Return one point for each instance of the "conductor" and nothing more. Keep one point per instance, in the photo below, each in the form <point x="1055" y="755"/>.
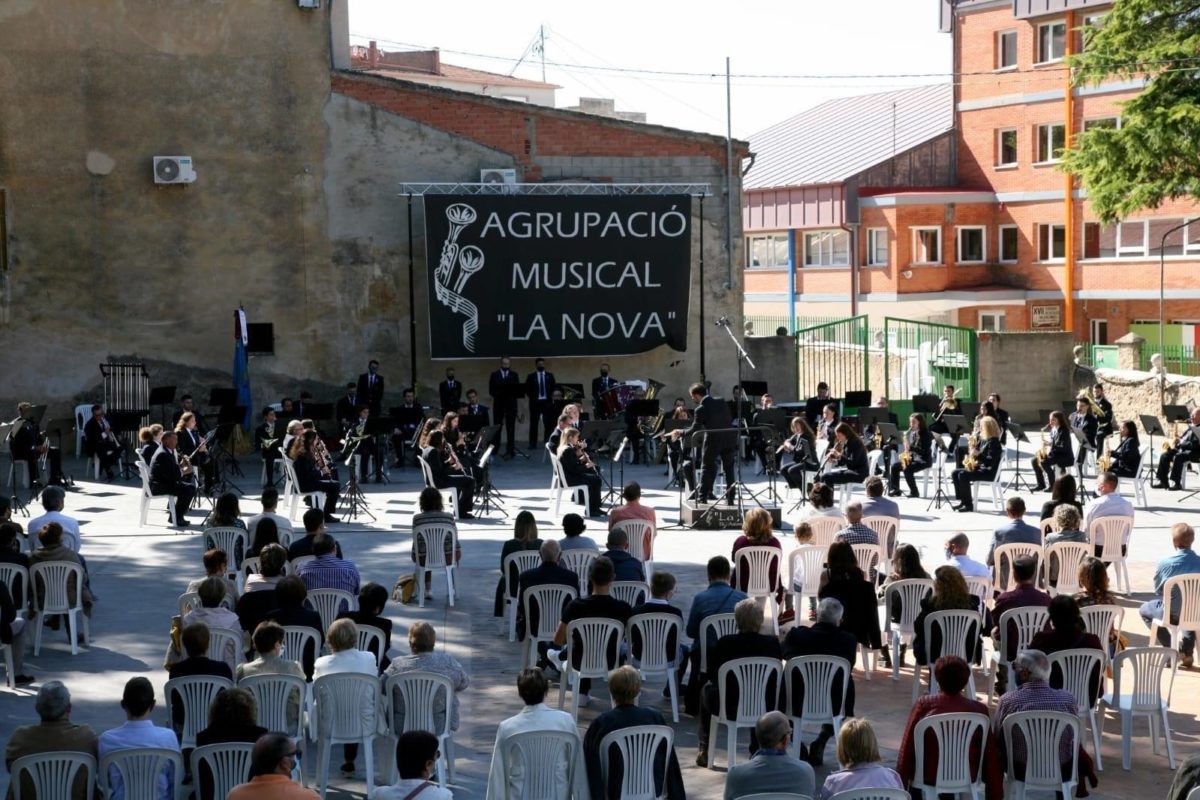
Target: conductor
<point x="711" y="415"/>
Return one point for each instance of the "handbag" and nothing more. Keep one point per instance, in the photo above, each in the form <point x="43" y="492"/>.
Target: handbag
<point x="405" y="588"/>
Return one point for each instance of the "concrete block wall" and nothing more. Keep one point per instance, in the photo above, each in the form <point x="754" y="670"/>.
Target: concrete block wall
<point x="1031" y="371"/>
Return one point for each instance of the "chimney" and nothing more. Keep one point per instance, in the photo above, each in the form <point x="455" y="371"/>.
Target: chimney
<point x="372" y="56"/>
<point x="436" y="61"/>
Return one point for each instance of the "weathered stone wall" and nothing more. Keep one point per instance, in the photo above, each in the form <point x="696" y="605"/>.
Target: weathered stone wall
<point x="775" y="360"/>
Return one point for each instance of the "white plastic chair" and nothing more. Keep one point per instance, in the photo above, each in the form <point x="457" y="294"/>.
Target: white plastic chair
<point x="632" y="592"/>
<point x="140" y="768"/>
<point x="419" y="691"/>
<point x="228" y="763"/>
<point x="583" y="490"/>
<point x="1077" y="668"/>
<point x="224" y="643"/>
<point x="234" y="541"/>
<point x="297" y="639"/>
<point x="542" y="763"/>
<point x="83" y="412"/>
<point x="754" y="567"/>
<point x="981" y="588"/>
<point x="1042" y="732"/>
<point x="641" y="535"/>
<point x="720" y="625"/>
<point x="870" y="559"/>
<point x="954" y="734"/>
<point x="273" y="695"/>
<point x="813" y="557"/>
<point x="1069" y="556"/>
<point x="847" y="490"/>
<point x="329" y="603"/>
<point x="298" y="562"/>
<point x="1029" y="621"/>
<point x="16" y="578"/>
<point x="1186" y="611"/>
<point x="345" y="709"/>
<point x="825" y="528"/>
<point x="51" y="774"/>
<point x="370" y="635"/>
<point x="638" y="747"/>
<point x="515" y="564"/>
<point x="579" y="562"/>
<point x="1138" y="481"/>
<point x="434" y="535"/>
<point x="1143" y="695"/>
<point x="820" y="676"/>
<point x="1111" y="534"/>
<point x="195" y="692"/>
<point x="909" y="592"/>
<point x="1102" y="620"/>
<point x="1003" y="558"/>
<point x="595" y="642"/>
<point x="292" y="492"/>
<point x="188" y="602"/>
<point x="55" y="578"/>
<point x="549" y="601"/>
<point x="144" y="508"/>
<point x="995" y="489"/>
<point x="252" y="565"/>
<point x="758" y="682"/>
<point x="653" y="658"/>
<point x="773" y="796"/>
<point x="1047" y="527"/>
<point x="886" y="528"/>
<point x="872" y="794"/>
<point x="955" y="626"/>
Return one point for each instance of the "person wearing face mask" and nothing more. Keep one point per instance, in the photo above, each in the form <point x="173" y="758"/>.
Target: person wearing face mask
<point x="450" y="392"/>
<point x="539" y="388"/>
<point x="504" y="385"/>
<point x="600" y="386"/>
<point x="370" y="388"/>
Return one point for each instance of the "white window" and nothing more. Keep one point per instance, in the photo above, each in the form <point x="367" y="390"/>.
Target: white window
<point x="1008" y="244"/>
<point x="1051" y="42"/>
<point x="1052" y="242"/>
<point x="927" y="246"/>
<point x="769" y="251"/>
<point x="826" y="248"/>
<point x="1051" y="140"/>
<point x="877" y="247"/>
<point x="972" y="245"/>
<point x="1112" y="123"/>
<point x="1006" y="50"/>
<point x="1006" y="147"/>
<point x="991" y="320"/>
<point x="1131" y="239"/>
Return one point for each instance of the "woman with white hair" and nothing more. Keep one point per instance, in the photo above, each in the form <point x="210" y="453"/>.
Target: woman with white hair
<point x="345" y="656"/>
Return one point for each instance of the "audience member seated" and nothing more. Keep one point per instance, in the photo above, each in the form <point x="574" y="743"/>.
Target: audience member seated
<point x="598" y="604"/>
<point x="1031" y="671"/>
<point x="534" y="717"/>
<point x="748" y="642"/>
<point x="718" y="598"/>
<point x="820" y="503"/>
<point x="824" y="638"/>
<point x="756" y="532"/>
<point x="1107" y="503"/>
<point x="270" y="501"/>
<point x="214" y="615"/>
<point x="877" y="505"/>
<point x="314" y="526"/>
<point x="1062" y="493"/>
<point x="573" y="527"/>
<point x="194" y="640"/>
<point x="772" y="768"/>
<point x="53" y="549"/>
<point x="625" y="684"/>
<point x="216" y="565"/>
<point x="1015" y="531"/>
<point x="271" y="766"/>
<point x="843" y="580"/>
<point x="54" y="734"/>
<point x="232" y="717"/>
<point x="268" y="644"/>
<point x="952" y="675"/>
<point x="433" y="512"/>
<point x="547" y="573"/>
<point x="625" y="566"/>
<point x="272" y="561"/>
<point x="290" y="595"/>
<point x="950" y="593"/>
<point x="525" y="537"/>
<point x="137" y="701"/>
<point x="226" y="513"/>
<point x="344" y="656"/>
<point x="1183" y="561"/>
<point x="857" y="533"/>
<point x="422" y="658"/>
<point x="266" y="532"/>
<point x="1024" y="594"/>
<point x="662" y="589"/>
<point x="957" y="548"/>
<point x="416" y="763"/>
<point x="12" y="633"/>
<point x="329" y="570"/>
<point x="862" y="767"/>
<point x="906" y="565"/>
<point x="10" y="545"/>
<point x="1067" y="523"/>
<point x="1067" y="632"/>
<point x="53" y="499"/>
<point x="632" y="508"/>
<point x="372" y="601"/>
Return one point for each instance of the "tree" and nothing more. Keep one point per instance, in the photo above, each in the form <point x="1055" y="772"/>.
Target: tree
<point x="1155" y="154"/>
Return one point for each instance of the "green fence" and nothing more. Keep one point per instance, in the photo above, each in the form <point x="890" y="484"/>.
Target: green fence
<point x="1178" y="359"/>
<point x="922" y="357"/>
<point x="836" y="353"/>
<point x="766" y="325"/>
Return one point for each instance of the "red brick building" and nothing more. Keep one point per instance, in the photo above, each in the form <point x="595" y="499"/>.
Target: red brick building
<point x="1008" y="242"/>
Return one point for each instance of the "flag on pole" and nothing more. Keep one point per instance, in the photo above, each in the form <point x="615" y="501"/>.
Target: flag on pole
<point x="241" y="370"/>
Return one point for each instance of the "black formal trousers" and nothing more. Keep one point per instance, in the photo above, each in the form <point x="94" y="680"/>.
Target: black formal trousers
<point x="540" y="411"/>
<point x="909" y="472"/>
<point x="708" y="469"/>
<point x="184" y="493"/>
<point x="507" y="410"/>
<point x="463" y="486"/>
<point x="1173" y="462"/>
<point x="962" y="480"/>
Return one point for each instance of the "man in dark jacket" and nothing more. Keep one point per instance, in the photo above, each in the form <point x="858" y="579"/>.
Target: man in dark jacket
<point x="626" y="566"/>
<point x="824" y="638"/>
<point x="548" y="573"/>
<point x="710" y="415"/>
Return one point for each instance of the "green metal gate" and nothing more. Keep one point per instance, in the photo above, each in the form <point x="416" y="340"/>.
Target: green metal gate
<point x="922" y="357"/>
<point x="836" y="353"/>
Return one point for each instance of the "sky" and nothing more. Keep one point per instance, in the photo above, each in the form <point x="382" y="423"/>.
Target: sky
<point x="828" y="50"/>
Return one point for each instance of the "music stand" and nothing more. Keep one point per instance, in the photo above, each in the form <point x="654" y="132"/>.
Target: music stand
<point x="126" y="422"/>
<point x="1068" y="407"/>
<point x="858" y="400"/>
<point x="161" y="396"/>
<point x="228" y="418"/>
<point x="888" y="431"/>
<point x="1152" y="426"/>
<point x="939" y="494"/>
<point x="754" y="388"/>
<point x="668" y="426"/>
<point x="380" y="428"/>
<point x="956" y="424"/>
<point x="1176" y="413"/>
<point x="1019" y="481"/>
<point x="925" y="403"/>
<point x="352" y="495"/>
<point x="969" y="409"/>
<point x="1081" y="457"/>
<point x="487" y="490"/>
<point x="489" y="436"/>
<point x="222" y="397"/>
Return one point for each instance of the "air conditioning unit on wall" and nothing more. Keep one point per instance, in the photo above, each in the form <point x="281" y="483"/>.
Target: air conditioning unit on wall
<point x="506" y="179"/>
<point x="173" y="169"/>
<point x="308" y="3"/>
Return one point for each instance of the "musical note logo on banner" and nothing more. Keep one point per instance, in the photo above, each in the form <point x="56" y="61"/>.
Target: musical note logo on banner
<point x="455" y="268"/>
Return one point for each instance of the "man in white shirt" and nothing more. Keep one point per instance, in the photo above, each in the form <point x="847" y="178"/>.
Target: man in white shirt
<point x="53" y="498"/>
<point x="956" y="556"/>
<point x="536" y="716"/>
<point x="270" y="500"/>
<point x="416" y="761"/>
<point x="1107" y="502"/>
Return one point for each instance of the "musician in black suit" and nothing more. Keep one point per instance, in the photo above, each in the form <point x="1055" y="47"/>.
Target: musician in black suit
<point x="29" y="445"/>
<point x="304" y="404"/>
<point x="919" y="442"/>
<point x="504" y="386"/>
<point x="1058" y="451"/>
<point x="851" y="465"/>
<point x="986" y="409"/>
<point x="192" y="444"/>
<point x="815" y="406"/>
<point x="347" y="406"/>
<point x="166" y="477"/>
<point x="1087" y="424"/>
<point x="889" y="447"/>
<point x="601" y="385"/>
<point x="1175" y="459"/>
<point x="267" y="437"/>
<point x="828" y="424"/>
<point x="365" y="448"/>
<point x="475" y="409"/>
<point x="309" y="475"/>
<point x="449" y="392"/>
<point x="1105" y="422"/>
<point x="370" y="387"/>
<point x="1001" y="417"/>
<point x="710" y="414"/>
<point x="539" y="388"/>
<point x="802" y="445"/>
<point x="406" y="418"/>
<point x="578" y="468"/>
<point x="987" y="464"/>
<point x="99" y="440"/>
<point x="448" y="473"/>
<point x="1126" y="456"/>
<point x="186" y="405"/>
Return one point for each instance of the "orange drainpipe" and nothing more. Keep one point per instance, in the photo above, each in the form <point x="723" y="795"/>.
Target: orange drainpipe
<point x="1068" y="199"/>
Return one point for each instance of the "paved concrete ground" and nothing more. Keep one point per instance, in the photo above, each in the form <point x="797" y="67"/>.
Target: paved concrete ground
<point x="139" y="572"/>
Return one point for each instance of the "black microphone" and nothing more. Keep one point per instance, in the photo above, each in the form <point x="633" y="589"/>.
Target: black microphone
<point x="723" y="321"/>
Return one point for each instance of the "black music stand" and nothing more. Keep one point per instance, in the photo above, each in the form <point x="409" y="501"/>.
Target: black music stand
<point x="486" y="492"/>
<point x="162" y="396"/>
<point x="380" y="429"/>
<point x="1082" y="446"/>
<point x="969" y="409"/>
<point x="939" y="495"/>
<point x="352" y="495"/>
<point x="1019" y="481"/>
<point x="639" y="409"/>
<point x="514" y="393"/>
<point x="220" y="398"/>
<point x="1068" y="407"/>
<point x="925" y="403"/>
<point x="230" y="416"/>
<point x="489" y="435"/>
<point x="1152" y="426"/>
<point x="668" y="426"/>
<point x="618" y="455"/>
<point x="1176" y="413"/>
<point x="857" y="401"/>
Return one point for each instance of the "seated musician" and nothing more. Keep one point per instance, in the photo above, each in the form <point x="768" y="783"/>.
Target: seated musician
<point x="564" y="423"/>
<point x="579" y="470"/>
<point x="758" y="440"/>
<point x="1105" y="423"/>
<point x="949" y="405"/>
<point x="918" y="444"/>
<point x="458" y="442"/>
<point x="1183" y="449"/>
<point x="681" y="411"/>
<point x="191" y="444"/>
<point x="406" y="419"/>
<point x="633" y="429"/>
<point x="1126" y="456"/>
<point x="986" y="409"/>
<point x="100" y="441"/>
<point x="674" y="447"/>
<point x="187" y="405"/>
<point x="802" y="446"/>
<point x="309" y="472"/>
<point x="1001" y="417"/>
<point x="168" y="477"/>
<point x="347" y="406"/>
<point x="29" y="445"/>
<point x="325" y="463"/>
<point x="1086" y="423"/>
<point x="266" y="442"/>
<point x="1058" y="452"/>
<point x="294" y="428"/>
<point x="150" y="437"/>
<point x="889" y="446"/>
<point x="848" y="462"/>
<point x="828" y="423"/>
<point x="365" y="447"/>
<point x="475" y="409"/>
<point x="601" y="385"/>
<point x="449" y="473"/>
<point x="985" y="461"/>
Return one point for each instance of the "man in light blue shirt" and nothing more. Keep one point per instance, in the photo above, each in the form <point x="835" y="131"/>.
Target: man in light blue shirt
<point x="139" y="731"/>
<point x="877" y="505"/>
<point x="718" y="598"/>
<point x="1182" y="562"/>
<point x="1014" y="531"/>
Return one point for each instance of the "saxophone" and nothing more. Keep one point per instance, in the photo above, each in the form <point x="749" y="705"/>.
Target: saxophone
<point x="1042" y="452"/>
<point x="1104" y="462"/>
<point x="906" y="456"/>
<point x="970" y="461"/>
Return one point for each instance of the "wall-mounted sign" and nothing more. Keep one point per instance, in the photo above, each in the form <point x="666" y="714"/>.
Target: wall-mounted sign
<point x="1045" y="317"/>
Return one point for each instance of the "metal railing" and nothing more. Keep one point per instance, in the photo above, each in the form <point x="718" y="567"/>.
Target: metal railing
<point x="923" y="357"/>
<point x="767" y="324"/>
<point x="1178" y="359"/>
<point x="836" y="353"/>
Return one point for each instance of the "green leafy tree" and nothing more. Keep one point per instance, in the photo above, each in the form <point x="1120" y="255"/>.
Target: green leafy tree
<point x="1155" y="155"/>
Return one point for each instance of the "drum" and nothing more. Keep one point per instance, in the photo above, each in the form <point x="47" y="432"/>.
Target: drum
<point x="613" y="401"/>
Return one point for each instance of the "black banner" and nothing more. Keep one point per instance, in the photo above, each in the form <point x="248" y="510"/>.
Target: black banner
<point x="563" y="275"/>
